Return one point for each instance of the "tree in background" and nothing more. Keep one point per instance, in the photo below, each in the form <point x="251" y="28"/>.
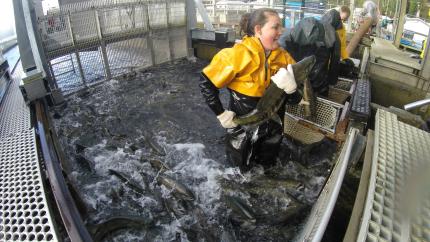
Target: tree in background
<point x="388" y="7"/>
<point x="424" y="9"/>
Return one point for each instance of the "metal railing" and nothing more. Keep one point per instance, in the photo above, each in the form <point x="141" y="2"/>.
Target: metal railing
<point x="229" y="13"/>
<point x="103" y="39"/>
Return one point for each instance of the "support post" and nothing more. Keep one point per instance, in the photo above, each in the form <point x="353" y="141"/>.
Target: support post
<point x="400" y="23"/>
<point x="103" y="46"/>
<point x="352" y="8"/>
<point x="425" y="67"/>
<point x="149" y="35"/>
<point x="190" y="10"/>
<point x="204" y="14"/>
<point x="78" y="59"/>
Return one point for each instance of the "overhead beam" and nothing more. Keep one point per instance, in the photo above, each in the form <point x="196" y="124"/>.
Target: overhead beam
<point x="204" y="14"/>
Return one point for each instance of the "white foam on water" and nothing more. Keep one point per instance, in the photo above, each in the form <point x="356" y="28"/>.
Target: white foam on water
<point x="315" y="184"/>
<point x="128" y="236"/>
<point x="173" y="228"/>
<point x="76" y="125"/>
<point x="201" y="174"/>
<point x="95" y="194"/>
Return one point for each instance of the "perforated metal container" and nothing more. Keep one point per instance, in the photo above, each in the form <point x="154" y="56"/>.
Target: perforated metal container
<point x="340" y="92"/>
<point x="327" y="115"/>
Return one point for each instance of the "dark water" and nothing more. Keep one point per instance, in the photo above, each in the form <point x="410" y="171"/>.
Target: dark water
<point x="160" y="114"/>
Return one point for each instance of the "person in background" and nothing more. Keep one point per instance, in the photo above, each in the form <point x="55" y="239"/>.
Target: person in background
<point x="246" y="70"/>
<point x="371" y="10"/>
<point x="319" y="38"/>
<point x="344" y="12"/>
<point x="346" y="65"/>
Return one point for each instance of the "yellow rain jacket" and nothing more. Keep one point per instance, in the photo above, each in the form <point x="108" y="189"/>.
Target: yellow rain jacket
<point x="244" y="68"/>
<point x="342" y="36"/>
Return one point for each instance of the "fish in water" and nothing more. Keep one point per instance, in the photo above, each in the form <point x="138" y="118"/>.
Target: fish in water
<point x="84" y="162"/>
<point x="286" y="215"/>
<point x="273" y="183"/>
<point x="274" y="97"/>
<point x="159" y="165"/>
<point x="176" y="208"/>
<point x="128" y="181"/>
<point x="101" y="230"/>
<point x="240" y="208"/>
<point x="80" y="147"/>
<point x="227" y="236"/>
<point x="154" y="145"/>
<point x="178" y="189"/>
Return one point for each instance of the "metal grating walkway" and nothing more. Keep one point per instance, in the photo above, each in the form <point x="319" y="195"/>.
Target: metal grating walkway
<point x="401" y="154"/>
<point x="24" y="212"/>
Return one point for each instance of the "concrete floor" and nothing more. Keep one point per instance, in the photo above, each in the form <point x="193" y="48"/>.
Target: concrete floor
<point x="385" y="49"/>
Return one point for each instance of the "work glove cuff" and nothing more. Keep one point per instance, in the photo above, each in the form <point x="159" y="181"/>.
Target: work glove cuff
<point x="226" y="119"/>
<point x="285" y="80"/>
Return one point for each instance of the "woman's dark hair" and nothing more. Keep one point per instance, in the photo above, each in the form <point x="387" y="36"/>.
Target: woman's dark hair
<point x="257" y="17"/>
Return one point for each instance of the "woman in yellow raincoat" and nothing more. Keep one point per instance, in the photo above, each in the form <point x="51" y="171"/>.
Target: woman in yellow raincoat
<point x="246" y="70"/>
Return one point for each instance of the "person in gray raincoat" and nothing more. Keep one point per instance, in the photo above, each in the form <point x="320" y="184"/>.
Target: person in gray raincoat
<point x="319" y="38"/>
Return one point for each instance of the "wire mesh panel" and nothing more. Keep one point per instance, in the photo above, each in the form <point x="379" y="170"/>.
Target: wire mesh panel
<point x="300" y="132"/>
<point x="92" y="65"/>
<point x="344" y="84"/>
<point x="157" y="15"/>
<point x="84" y="26"/>
<point x="177" y="16"/>
<point x="326" y="116"/>
<point x="124" y="56"/>
<point x="79" y="6"/>
<point x="161" y="46"/>
<point x="122" y="20"/>
<point x="112" y="36"/>
<point x="66" y="73"/>
<point x="178" y="42"/>
<point x="55" y="32"/>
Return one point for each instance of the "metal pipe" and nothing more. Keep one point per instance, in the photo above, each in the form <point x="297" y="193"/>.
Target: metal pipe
<point x="364" y="28"/>
<point x="417" y="104"/>
<point x="323" y="208"/>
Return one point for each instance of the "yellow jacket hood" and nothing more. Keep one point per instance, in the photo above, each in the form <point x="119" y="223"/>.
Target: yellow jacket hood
<point x="245" y="68"/>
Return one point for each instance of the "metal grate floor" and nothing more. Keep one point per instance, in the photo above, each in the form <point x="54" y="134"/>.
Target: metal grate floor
<point x="14" y="113"/>
<point x="24" y="212"/>
<point x="401" y="153"/>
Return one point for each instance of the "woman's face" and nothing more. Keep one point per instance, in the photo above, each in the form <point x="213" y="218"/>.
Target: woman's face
<point x="270" y="32"/>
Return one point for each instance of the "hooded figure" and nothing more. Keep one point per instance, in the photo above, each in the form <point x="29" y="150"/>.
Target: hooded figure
<point x="319" y="38"/>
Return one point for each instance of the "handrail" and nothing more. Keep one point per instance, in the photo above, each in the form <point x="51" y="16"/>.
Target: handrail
<point x="417" y="104"/>
<point x="72" y="220"/>
<point x="319" y="217"/>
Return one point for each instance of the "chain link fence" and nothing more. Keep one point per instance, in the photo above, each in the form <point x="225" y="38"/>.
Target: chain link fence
<point x="90" y="42"/>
